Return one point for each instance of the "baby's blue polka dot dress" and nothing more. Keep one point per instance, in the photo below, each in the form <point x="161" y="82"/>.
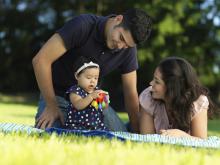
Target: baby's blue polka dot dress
<point x="86" y="119"/>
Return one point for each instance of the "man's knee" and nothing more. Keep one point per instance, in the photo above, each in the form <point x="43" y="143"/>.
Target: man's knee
<point x="112" y="121"/>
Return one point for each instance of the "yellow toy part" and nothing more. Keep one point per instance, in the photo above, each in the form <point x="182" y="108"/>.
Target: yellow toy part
<point x="95" y="104"/>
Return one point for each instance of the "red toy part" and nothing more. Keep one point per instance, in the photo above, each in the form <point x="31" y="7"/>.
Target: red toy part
<point x="101" y="97"/>
<point x="101" y="102"/>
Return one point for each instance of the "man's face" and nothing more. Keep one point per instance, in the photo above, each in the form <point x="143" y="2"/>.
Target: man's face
<point x="116" y="36"/>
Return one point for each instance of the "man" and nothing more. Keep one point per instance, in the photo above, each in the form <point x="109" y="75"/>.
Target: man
<point x="111" y="41"/>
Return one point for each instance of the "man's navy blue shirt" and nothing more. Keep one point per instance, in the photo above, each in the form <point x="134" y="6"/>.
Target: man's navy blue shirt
<point x="84" y="36"/>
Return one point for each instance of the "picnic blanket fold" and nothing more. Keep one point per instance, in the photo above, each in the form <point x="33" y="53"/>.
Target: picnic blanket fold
<point x="210" y="142"/>
<point x="88" y="133"/>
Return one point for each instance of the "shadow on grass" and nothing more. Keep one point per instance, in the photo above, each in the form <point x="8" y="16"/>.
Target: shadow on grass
<point x="20" y="98"/>
<point x="214" y="125"/>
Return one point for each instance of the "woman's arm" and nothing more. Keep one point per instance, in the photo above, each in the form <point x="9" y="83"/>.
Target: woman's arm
<point x="199" y="125"/>
<point x="146" y="123"/>
<point x="198" y="128"/>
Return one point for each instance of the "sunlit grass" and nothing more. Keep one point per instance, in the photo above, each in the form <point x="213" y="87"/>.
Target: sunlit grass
<point x="21" y="149"/>
<point x="17" y="113"/>
<point x="24" y="114"/>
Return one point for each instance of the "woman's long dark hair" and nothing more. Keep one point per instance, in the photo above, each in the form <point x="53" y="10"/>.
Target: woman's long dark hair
<point x="183" y="88"/>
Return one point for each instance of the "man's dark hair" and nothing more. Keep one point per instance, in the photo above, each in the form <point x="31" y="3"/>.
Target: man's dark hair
<point x="138" y="22"/>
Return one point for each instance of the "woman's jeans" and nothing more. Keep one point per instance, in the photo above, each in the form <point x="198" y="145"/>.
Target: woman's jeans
<point x="111" y="119"/>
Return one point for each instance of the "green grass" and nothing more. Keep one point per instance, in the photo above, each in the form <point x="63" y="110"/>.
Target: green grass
<point x="17" y="113"/>
<point x="24" y="149"/>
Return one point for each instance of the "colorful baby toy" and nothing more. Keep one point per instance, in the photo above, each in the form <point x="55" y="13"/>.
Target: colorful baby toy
<point x="101" y="102"/>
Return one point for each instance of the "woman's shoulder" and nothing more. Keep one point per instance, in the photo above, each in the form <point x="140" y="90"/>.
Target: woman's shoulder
<point x="147" y="102"/>
<point x="146" y="94"/>
<point x="202" y="103"/>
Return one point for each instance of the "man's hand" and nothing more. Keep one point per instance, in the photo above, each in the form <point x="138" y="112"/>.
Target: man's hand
<point x="49" y="115"/>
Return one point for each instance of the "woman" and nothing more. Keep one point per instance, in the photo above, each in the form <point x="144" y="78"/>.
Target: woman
<point x="175" y="104"/>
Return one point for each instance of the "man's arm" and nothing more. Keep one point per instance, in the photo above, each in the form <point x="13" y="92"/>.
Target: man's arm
<point x="129" y="81"/>
<point x="42" y="63"/>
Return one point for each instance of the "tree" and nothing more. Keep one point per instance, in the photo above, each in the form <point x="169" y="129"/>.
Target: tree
<point x="185" y="28"/>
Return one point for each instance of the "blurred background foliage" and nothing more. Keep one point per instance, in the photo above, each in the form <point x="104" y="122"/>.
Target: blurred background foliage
<point x="185" y="28"/>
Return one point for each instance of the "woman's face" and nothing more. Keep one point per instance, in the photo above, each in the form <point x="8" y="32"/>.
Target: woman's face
<point x="158" y="86"/>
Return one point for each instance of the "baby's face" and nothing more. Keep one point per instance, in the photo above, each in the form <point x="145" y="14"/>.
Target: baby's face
<point x="88" y="79"/>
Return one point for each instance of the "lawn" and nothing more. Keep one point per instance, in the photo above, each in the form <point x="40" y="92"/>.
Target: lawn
<point x="34" y="149"/>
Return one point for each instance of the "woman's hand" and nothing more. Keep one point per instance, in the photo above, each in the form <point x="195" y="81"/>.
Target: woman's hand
<point x="174" y="133"/>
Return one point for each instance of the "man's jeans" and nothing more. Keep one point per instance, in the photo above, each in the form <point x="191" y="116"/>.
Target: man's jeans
<point x="111" y="119"/>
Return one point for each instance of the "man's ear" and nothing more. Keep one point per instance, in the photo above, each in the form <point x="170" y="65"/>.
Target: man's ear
<point x="119" y="19"/>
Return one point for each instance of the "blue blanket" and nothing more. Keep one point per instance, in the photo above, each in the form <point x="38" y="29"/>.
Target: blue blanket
<point x="210" y="142"/>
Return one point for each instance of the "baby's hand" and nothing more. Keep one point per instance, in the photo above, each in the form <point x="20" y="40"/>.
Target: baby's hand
<point x="95" y="94"/>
